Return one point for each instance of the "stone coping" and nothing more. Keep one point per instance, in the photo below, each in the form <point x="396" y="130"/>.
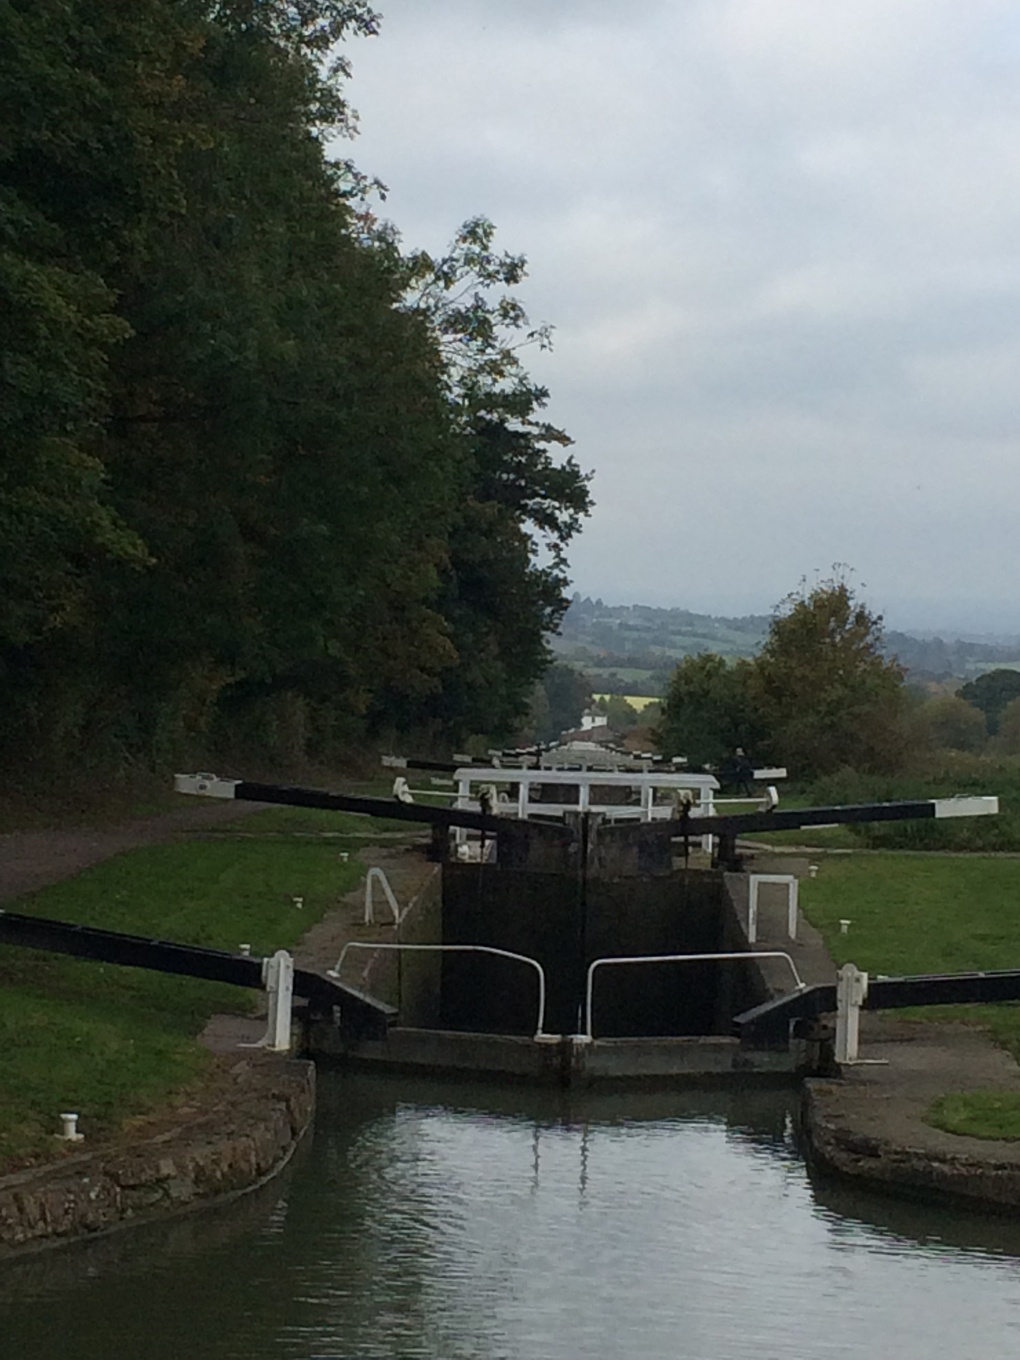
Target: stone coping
<point x="869" y="1124"/>
<point x="239" y="1129"/>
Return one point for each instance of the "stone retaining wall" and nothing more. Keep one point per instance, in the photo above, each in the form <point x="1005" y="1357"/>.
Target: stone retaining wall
<point x="245" y="1127"/>
<point x="989" y="1178"/>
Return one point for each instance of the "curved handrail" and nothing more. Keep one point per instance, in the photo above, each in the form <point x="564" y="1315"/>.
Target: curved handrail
<point x="677" y="958"/>
<point x="461" y="948"/>
<point x="376" y="875"/>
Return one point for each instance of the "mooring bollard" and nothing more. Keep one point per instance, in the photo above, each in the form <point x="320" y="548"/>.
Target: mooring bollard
<point x="69" y="1128"/>
<point x="851" y="991"/>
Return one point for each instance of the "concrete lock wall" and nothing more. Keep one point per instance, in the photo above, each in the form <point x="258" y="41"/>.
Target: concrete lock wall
<point x="564" y="925"/>
<point x="419" y="976"/>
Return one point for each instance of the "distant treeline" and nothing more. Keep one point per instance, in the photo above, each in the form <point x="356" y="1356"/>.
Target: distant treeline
<point x="936" y="659"/>
<point x="263" y="475"/>
<point x="642" y="637"/>
<point x="645" y="637"/>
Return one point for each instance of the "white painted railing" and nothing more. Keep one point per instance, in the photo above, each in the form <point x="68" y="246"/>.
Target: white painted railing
<point x="754" y="882"/>
<point x="376" y="875"/>
<point x="745" y="955"/>
<point x="540" y="1033"/>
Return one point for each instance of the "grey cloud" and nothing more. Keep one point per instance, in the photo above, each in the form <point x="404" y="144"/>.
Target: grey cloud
<point x="779" y="244"/>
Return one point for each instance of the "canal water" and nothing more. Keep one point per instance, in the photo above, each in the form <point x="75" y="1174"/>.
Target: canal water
<point x="445" y="1222"/>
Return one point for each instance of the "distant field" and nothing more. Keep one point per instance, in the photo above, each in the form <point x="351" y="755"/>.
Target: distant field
<point x="628" y="674"/>
<point x="637" y="701"/>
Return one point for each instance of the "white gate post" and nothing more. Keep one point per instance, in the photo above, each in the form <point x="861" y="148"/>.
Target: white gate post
<point x="851" y="991"/>
<point x="792" y="901"/>
<point x="278" y="978"/>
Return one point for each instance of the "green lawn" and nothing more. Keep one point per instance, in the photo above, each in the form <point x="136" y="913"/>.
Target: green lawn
<point x="918" y="913"/>
<point x="111" y="1042"/>
<point x="978" y="1114"/>
<point x="930" y="914"/>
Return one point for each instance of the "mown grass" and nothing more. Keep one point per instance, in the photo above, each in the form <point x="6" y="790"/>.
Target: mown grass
<point x="978" y="1114"/>
<point x="112" y="1042"/>
<point x="928" y="914"/>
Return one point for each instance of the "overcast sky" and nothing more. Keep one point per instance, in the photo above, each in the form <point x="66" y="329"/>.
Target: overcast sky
<point x="779" y="242"/>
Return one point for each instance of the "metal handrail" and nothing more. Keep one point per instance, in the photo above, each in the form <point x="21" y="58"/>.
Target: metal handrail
<point x="376" y="875"/>
<point x="458" y="948"/>
<point x="677" y="958"/>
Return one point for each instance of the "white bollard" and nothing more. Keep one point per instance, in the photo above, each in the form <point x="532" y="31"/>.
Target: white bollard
<point x="299" y="902"/>
<point x="278" y="977"/>
<point x="851" y="991"/>
<point x="244" y="950"/>
<point x="69" y="1128"/>
<point x="844" y="926"/>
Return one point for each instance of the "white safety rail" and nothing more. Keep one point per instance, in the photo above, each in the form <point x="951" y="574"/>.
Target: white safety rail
<point x="540" y="1033"/>
<point x="792" y="889"/>
<point x="376" y="875"/>
<point x="620" y="795"/>
<point x="609" y="962"/>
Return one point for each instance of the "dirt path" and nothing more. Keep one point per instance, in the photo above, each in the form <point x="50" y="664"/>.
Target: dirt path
<point x="30" y="860"/>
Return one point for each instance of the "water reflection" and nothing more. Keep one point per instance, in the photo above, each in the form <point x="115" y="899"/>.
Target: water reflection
<point x="504" y="1224"/>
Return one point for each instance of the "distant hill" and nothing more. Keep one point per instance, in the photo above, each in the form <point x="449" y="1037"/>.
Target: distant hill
<point x="633" y="648"/>
<point x="934" y="658"/>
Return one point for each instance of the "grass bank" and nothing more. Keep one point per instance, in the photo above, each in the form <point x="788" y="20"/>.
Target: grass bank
<point x="113" y="1043"/>
<point x="921" y="913"/>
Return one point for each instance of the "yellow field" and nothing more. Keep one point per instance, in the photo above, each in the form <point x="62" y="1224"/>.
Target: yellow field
<point x="637" y="701"/>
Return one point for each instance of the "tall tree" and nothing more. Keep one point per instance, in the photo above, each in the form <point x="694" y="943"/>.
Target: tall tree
<point x="826" y="694"/>
<point x="708" y="711"/>
<point x="253" y="455"/>
<point x="503" y="586"/>
<point x="991" y="693"/>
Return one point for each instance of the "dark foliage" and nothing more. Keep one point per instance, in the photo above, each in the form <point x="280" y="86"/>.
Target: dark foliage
<point x="261" y="474"/>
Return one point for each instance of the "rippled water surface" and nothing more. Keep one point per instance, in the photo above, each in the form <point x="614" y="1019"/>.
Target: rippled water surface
<point x="448" y="1222"/>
